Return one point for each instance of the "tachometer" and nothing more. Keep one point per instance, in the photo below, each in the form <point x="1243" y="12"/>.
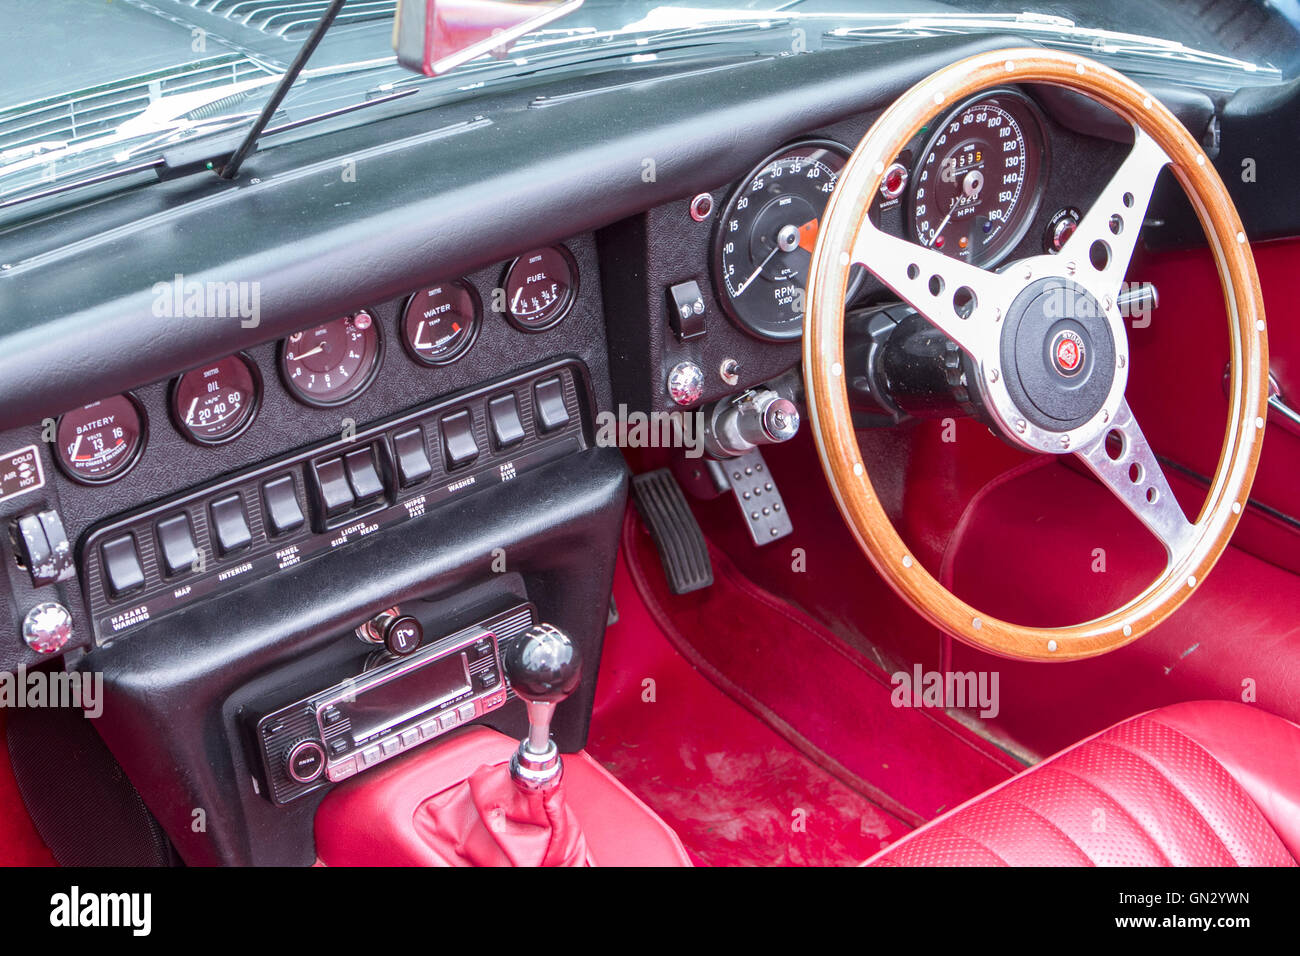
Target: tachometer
<point x="765" y="237"/>
<point x="99" y="442"/>
<point x="976" y="186"/>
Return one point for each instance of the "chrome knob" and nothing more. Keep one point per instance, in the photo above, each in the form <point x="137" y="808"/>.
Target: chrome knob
<point x="686" y="383"/>
<point x="543" y="667"/>
<point x="780" y="420"/>
<point x="47" y="628"/>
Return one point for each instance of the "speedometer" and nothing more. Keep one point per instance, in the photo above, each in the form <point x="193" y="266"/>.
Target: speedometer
<point x="977" y="184"/>
<point x="765" y="237"/>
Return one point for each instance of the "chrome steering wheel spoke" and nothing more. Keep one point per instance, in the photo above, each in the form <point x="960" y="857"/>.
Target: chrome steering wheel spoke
<point x="964" y="302"/>
<point x="1136" y="478"/>
<point x="1101" y="246"/>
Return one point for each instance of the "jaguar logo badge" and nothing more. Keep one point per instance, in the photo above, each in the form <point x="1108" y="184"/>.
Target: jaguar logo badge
<point x="1068" y="352"/>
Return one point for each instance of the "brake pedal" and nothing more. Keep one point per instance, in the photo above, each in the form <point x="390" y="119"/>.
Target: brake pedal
<point x="758" y="497"/>
<point x="682" y="548"/>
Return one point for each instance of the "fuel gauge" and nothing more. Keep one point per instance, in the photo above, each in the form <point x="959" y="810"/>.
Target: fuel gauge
<point x="540" y="287"/>
<point x="99" y="442"/>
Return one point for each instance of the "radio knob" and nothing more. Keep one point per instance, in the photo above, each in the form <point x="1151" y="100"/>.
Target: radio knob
<point x="305" y="760"/>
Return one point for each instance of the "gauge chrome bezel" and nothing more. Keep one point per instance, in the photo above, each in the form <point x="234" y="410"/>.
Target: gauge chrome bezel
<point x="570" y="299"/>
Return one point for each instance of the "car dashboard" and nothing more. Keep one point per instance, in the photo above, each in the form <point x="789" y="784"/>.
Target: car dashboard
<point x="241" y="421"/>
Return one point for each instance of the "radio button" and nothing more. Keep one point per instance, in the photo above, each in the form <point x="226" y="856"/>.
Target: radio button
<point x="410" y="737"/>
<point x="330" y="716"/>
<point x="341" y="771"/>
<point x="448" y="720"/>
<point x="339" y="746"/>
<point x="305" y="761"/>
<point x="371" y="755"/>
<point x="430" y="727"/>
<point x="390" y="746"/>
<point x="465" y="711"/>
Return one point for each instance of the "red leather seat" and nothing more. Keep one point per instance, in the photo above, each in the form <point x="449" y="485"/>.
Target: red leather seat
<point x="1204" y="783"/>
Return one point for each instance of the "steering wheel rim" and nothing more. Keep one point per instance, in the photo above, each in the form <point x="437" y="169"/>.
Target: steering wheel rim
<point x="846" y="237"/>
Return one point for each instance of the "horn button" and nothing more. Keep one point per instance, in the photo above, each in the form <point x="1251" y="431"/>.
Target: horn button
<point x="1058" y="354"/>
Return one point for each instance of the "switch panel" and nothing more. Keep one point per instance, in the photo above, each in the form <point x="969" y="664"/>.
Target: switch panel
<point x="250" y="526"/>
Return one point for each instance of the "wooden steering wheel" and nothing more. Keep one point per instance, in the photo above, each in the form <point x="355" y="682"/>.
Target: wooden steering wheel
<point x="977" y="308"/>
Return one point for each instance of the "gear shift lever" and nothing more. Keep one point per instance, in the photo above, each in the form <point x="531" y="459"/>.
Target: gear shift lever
<point x="543" y="666"/>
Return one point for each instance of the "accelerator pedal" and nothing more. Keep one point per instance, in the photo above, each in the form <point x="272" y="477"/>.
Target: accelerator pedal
<point x="682" y="548"/>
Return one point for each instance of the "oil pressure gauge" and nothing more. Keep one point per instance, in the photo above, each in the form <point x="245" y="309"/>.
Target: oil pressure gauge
<point x="540" y="288"/>
<point x="215" y="403"/>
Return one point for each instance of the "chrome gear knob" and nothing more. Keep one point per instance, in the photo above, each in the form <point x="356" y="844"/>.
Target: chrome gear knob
<point x="543" y="667"/>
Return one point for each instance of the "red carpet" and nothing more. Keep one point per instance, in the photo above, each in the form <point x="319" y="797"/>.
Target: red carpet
<point x="735" y="791"/>
<point x="768" y="739"/>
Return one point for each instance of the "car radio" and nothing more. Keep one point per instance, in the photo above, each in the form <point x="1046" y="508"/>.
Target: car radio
<point x="397" y="704"/>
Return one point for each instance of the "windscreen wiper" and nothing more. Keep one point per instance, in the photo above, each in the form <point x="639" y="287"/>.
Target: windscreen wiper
<point x="230" y="169"/>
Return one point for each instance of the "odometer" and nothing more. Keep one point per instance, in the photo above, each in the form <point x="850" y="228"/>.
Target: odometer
<point x="100" y="442"/>
<point x="332" y="363"/>
<point x="215" y="403"/>
<point x="976" y="185"/>
<point x="765" y="237"/>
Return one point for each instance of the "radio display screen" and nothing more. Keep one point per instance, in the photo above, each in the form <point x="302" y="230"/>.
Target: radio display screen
<point x="402" y="697"/>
